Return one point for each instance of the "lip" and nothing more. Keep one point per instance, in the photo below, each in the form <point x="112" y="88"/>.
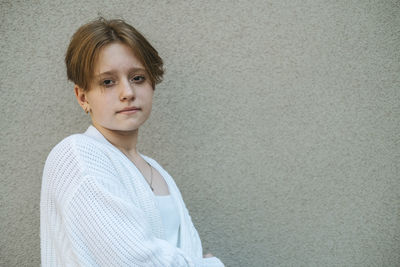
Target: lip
<point x="129" y="110"/>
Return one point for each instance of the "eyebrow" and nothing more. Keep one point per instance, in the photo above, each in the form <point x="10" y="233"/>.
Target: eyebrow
<point x="111" y="72"/>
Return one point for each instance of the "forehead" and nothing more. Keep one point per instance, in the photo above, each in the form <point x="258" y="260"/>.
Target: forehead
<point x="116" y="57"/>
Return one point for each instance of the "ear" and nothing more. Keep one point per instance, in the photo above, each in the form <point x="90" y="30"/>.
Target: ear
<point x="81" y="97"/>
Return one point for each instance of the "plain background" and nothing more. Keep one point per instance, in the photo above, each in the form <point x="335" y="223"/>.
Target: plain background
<point x="279" y="120"/>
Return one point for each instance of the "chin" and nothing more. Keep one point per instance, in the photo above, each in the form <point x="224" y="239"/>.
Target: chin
<point x="129" y="127"/>
<point x="118" y="128"/>
<point x="126" y="128"/>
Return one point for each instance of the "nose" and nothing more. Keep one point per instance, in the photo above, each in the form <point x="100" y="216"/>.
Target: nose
<point x="127" y="91"/>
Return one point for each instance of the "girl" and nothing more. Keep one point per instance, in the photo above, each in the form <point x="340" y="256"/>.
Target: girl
<point x="102" y="202"/>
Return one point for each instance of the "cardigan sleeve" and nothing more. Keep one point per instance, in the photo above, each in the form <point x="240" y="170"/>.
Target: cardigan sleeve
<point x="106" y="230"/>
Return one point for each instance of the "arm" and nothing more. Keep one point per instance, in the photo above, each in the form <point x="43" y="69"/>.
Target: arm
<point x="110" y="231"/>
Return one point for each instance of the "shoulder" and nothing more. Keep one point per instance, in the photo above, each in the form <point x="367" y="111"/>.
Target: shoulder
<point x="77" y="148"/>
<point x="71" y="160"/>
<point x="72" y="148"/>
<point x="62" y="170"/>
<point x="64" y="152"/>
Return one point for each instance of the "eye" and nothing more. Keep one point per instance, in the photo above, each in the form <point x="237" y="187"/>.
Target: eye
<point x="107" y="82"/>
<point x="138" y="79"/>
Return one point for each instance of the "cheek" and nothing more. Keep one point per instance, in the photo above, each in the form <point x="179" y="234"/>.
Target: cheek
<point x="100" y="106"/>
<point x="147" y="97"/>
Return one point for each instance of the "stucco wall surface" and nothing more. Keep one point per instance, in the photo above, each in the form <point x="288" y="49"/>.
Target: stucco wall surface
<point x="279" y="121"/>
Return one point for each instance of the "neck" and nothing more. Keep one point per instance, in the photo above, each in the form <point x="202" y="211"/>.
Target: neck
<point x="123" y="140"/>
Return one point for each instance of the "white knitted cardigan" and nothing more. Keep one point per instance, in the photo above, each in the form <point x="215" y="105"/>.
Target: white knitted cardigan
<point x="97" y="209"/>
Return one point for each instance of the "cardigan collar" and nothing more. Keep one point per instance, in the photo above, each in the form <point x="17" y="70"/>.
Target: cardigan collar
<point x="185" y="242"/>
<point x="145" y="196"/>
<point x="94" y="133"/>
<point x="98" y="136"/>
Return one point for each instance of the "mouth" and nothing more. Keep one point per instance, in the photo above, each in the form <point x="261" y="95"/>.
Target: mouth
<point x="129" y="110"/>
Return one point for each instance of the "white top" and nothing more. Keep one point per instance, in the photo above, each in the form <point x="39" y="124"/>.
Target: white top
<point x="97" y="209"/>
<point x="169" y="217"/>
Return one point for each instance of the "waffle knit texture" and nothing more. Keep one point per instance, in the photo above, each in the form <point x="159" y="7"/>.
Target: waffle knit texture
<point x="97" y="209"/>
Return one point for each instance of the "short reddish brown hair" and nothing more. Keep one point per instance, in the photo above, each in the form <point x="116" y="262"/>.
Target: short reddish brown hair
<point x="88" y="40"/>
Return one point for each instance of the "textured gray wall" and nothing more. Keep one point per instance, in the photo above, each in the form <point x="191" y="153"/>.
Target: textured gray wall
<point x="279" y="120"/>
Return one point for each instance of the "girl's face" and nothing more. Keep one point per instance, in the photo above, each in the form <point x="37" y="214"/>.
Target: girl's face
<point x="121" y="94"/>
